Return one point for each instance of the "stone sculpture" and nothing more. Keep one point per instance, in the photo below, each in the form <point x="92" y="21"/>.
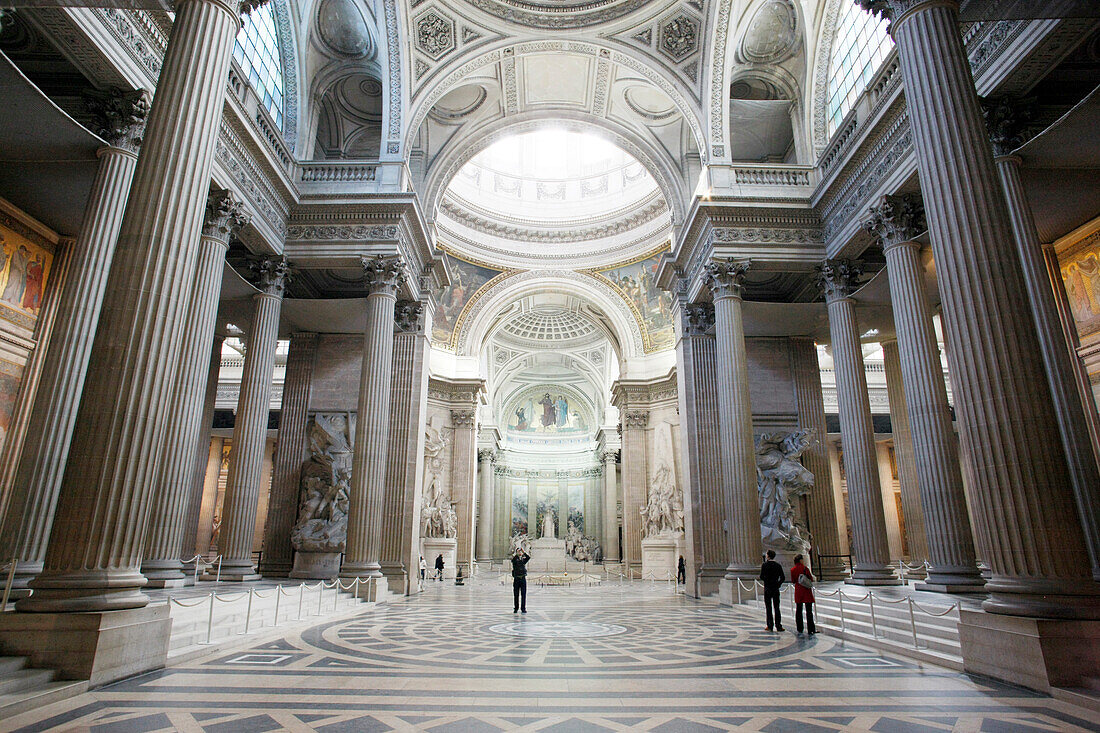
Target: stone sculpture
<point x="437" y="514"/>
<point x="781" y="480"/>
<point x="664" y="514"/>
<point x="548" y="526"/>
<point x="580" y="547"/>
<point x="519" y="542"/>
<point x="322" y="512"/>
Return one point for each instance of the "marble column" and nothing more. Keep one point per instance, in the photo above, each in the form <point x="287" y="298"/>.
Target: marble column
<point x="119" y="119"/>
<point x="291" y="452"/>
<point x="701" y="445"/>
<point x="533" y="530"/>
<point x="1022" y="490"/>
<point x="363" y="554"/>
<point x="405" y="460"/>
<point x="201" y="454"/>
<point x="1006" y="118"/>
<point x="463" y="480"/>
<point x="167" y="520"/>
<point x="738" y="464"/>
<point x="896" y="221"/>
<point x="904" y="459"/>
<point x="870" y="545"/>
<point x="821" y="504"/>
<point x="635" y="462"/>
<point x="242" y="486"/>
<point x="563" y="503"/>
<point x="485" y="504"/>
<point x="610" y="506"/>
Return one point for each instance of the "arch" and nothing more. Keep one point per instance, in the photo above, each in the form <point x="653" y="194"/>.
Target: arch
<point x="458" y="152"/>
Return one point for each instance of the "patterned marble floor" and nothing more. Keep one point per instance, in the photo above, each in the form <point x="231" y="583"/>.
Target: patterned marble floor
<point x="599" y="659"/>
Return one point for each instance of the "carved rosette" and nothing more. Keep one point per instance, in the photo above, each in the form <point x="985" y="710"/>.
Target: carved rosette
<point x="382" y="274"/>
<point x="896" y="220"/>
<point x="463" y="418"/>
<point x="838" y="278"/>
<point x="698" y="319"/>
<point x="271" y="274"/>
<point x="408" y="316"/>
<point x="726" y="278"/>
<point x="118" y="116"/>
<point x="225" y="215"/>
<point x="1006" y="119"/>
<point x="635" y="419"/>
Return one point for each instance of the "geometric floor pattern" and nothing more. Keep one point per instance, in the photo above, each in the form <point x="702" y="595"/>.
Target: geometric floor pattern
<point x="618" y="658"/>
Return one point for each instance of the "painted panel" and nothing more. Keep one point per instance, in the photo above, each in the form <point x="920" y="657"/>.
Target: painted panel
<point x="11" y="377"/>
<point x="467" y="280"/>
<point x="25" y="266"/>
<point x="636" y="282"/>
<point x="1081" y="275"/>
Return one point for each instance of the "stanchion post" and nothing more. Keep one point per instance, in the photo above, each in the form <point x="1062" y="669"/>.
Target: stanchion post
<point x="913" y="624"/>
<point x="278" y="597"/>
<point x="320" y="591"/>
<point x="219" y="576"/>
<point x="840" y="598"/>
<point x="8" y="583"/>
<point x="210" y="619"/>
<point x="874" y="623"/>
<point x="301" y="598"/>
<point x="248" y="611"/>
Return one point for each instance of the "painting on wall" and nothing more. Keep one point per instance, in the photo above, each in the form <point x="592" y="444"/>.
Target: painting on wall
<point x="547" y="409"/>
<point x="11" y="377"/>
<point x="636" y="281"/>
<point x="1081" y="276"/>
<point x="467" y="278"/>
<point x="24" y="272"/>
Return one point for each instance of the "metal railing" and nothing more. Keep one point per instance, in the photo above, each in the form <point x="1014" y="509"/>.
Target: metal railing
<point x="200" y="561"/>
<point x="9" y="579"/>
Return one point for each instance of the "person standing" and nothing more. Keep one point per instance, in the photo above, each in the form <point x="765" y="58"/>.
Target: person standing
<point x="771" y="575"/>
<point x="439" y="567"/>
<point x="681" y="572"/>
<point x="803" y="581"/>
<point x="423" y="568"/>
<point x="519" y="581"/>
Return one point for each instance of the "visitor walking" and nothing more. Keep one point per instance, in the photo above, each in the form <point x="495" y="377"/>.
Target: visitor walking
<point x="439" y="567"/>
<point x="771" y="575"/>
<point x="803" y="581"/>
<point x="423" y="568"/>
<point x="519" y="581"/>
<point x="681" y="572"/>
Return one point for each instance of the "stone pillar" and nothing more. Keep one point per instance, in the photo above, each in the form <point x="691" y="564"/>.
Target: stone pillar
<point x="903" y="457"/>
<point x="167" y="522"/>
<point x="1022" y="491"/>
<point x="405" y="461"/>
<point x="821" y="504"/>
<point x="610" y="506"/>
<point x="202" y="452"/>
<point x="563" y="503"/>
<point x="363" y="556"/>
<point x="1006" y="119"/>
<point x="291" y="451"/>
<point x="742" y="501"/>
<point x="635" y="460"/>
<point x="242" y="486"/>
<point x="532" y="507"/>
<point x="120" y="119"/>
<point x="896" y="221"/>
<point x="463" y="478"/>
<point x="870" y="545"/>
<point x="701" y="445"/>
<point x="485" y="504"/>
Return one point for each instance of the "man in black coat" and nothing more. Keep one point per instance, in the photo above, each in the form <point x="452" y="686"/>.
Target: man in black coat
<point x="771" y="575"/>
<point x="439" y="567"/>
<point x="519" y="581"/>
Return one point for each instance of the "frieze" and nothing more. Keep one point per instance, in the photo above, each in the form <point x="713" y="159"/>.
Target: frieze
<point x="336" y="232"/>
<point x="550" y="17"/>
<point x="142" y="41"/>
<point x="242" y="168"/>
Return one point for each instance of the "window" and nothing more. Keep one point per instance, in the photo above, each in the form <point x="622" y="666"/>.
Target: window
<point x="860" y="47"/>
<point x="257" y="53"/>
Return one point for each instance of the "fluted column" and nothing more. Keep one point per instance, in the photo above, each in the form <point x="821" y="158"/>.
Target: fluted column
<point x="485" y="504"/>
<point x="821" y="503"/>
<point x="464" y="482"/>
<point x="246" y="456"/>
<point x="363" y="555"/>
<point x="1006" y="118"/>
<point x="610" y="506"/>
<point x="533" y="530"/>
<point x="168" y="518"/>
<point x="201" y="454"/>
<point x="903" y="456"/>
<point x="870" y="545"/>
<point x="635" y="462"/>
<point x="119" y="119"/>
<point x="742" y="500"/>
<point x="290" y="453"/>
<point x="1016" y="468"/>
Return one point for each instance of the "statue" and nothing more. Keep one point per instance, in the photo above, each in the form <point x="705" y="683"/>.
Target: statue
<point x="580" y="547"/>
<point x="664" y="513"/>
<point x="781" y="480"/>
<point x="519" y="542"/>
<point x="548" y="525"/>
<point x="323" y="507"/>
<point x="437" y="515"/>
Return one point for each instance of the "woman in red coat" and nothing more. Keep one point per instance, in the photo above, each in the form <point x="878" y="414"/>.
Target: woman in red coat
<point x="803" y="595"/>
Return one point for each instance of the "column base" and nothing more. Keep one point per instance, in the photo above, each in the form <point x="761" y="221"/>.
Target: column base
<point x="85" y="591"/>
<point x="396" y="579"/>
<point x="100" y="647"/>
<point x="235" y="577"/>
<point x="167" y="582"/>
<point x="280" y="569"/>
<point x="236" y="571"/>
<point x="732" y="594"/>
<point x="361" y="570"/>
<point x="873" y="581"/>
<point x="1032" y="652"/>
<point x="950" y="587"/>
<point x="707" y="581"/>
<point x="874" y="575"/>
<point x="164" y="574"/>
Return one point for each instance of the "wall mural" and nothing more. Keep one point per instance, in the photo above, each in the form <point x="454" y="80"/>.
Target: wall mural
<point x="467" y="280"/>
<point x="548" y="409"/>
<point x="1081" y="275"/>
<point x="24" y="270"/>
<point x="11" y="376"/>
<point x="636" y="281"/>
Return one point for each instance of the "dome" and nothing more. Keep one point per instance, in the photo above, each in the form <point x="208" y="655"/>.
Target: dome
<point x="550" y="325"/>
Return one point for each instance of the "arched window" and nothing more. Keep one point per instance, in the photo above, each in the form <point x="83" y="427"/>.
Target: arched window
<point x="860" y="47"/>
<point x="257" y="53"/>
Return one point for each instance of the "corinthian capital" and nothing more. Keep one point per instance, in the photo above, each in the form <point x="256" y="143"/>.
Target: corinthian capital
<point x="894" y="9"/>
<point x="247" y="6"/>
<point x="1006" y="119"/>
<point x="838" y="278"/>
<point x="726" y="277"/>
<point x="408" y="316"/>
<point x="463" y="418"/>
<point x="118" y="115"/>
<point x="225" y="215"/>
<point x="271" y="274"/>
<point x="896" y="219"/>
<point x="698" y="318"/>
<point x="382" y="273"/>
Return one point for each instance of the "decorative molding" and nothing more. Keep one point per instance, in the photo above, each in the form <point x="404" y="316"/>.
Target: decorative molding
<point x="558" y="15"/>
<point x="635" y="419"/>
<point x="463" y="418"/>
